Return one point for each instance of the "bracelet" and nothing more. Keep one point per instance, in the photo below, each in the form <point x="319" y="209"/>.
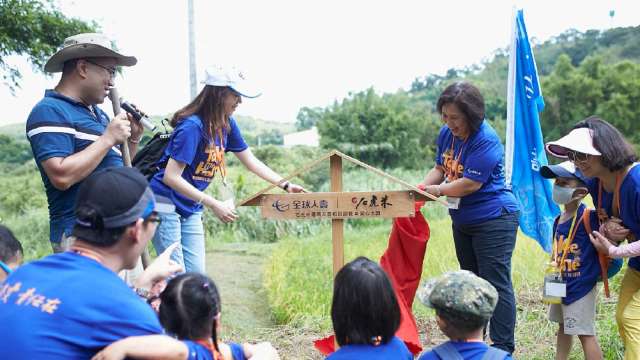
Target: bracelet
<point x="143" y="293"/>
<point x="135" y="141"/>
<point x="285" y="187"/>
<point x="201" y="198"/>
<point x="439" y="190"/>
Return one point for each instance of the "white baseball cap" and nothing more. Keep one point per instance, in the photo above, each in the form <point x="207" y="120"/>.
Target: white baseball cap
<point x="231" y="77"/>
<point x="579" y="140"/>
<point x="86" y="45"/>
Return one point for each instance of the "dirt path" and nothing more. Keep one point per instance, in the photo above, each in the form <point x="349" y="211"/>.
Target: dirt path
<point x="237" y="270"/>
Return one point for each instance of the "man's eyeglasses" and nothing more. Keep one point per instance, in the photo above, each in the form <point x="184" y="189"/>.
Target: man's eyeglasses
<point x="576" y="156"/>
<point x="112" y="71"/>
<point x="153" y="218"/>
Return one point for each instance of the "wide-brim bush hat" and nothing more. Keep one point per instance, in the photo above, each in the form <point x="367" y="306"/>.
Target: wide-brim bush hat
<point x="86" y="45"/>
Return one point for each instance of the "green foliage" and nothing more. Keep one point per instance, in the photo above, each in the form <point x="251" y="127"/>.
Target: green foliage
<point x="308" y="117"/>
<point x="35" y="29"/>
<point x="385" y="131"/>
<point x="14" y="151"/>
<point x="595" y="87"/>
<point x="22" y="190"/>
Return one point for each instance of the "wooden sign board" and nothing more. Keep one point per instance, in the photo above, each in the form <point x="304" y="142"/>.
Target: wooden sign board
<point x="339" y="205"/>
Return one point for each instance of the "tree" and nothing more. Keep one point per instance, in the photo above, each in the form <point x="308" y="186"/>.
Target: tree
<point x="308" y="118"/>
<point x="593" y="88"/>
<point x="386" y="131"/>
<point x="34" y="29"/>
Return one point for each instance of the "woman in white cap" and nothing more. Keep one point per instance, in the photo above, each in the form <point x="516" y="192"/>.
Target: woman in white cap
<point x="602" y="154"/>
<point x="204" y="131"/>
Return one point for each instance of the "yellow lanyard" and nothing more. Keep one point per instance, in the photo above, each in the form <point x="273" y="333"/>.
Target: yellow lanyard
<point x="452" y="173"/>
<point x="567" y="242"/>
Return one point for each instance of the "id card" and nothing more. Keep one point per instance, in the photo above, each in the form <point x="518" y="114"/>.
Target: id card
<point x="453" y="202"/>
<point x="555" y="287"/>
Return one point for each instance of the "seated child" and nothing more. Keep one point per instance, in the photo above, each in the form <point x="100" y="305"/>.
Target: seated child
<point x="11" y="253"/>
<point x="577" y="261"/>
<point x="365" y="314"/>
<point x="464" y="303"/>
<point x="189" y="311"/>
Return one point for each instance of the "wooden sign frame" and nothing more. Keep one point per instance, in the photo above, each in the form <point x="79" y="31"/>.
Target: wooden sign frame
<point x="337" y="223"/>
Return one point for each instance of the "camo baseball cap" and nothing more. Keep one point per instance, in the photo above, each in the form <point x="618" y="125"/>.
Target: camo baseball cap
<point x="460" y="292"/>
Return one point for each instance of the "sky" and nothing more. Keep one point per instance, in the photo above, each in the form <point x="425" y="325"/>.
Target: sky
<point x="306" y="53"/>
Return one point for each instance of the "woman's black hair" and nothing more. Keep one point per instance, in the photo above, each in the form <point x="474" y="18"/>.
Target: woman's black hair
<point x="190" y="303"/>
<point x="364" y="308"/>
<point x="467" y="98"/>
<point x="616" y="151"/>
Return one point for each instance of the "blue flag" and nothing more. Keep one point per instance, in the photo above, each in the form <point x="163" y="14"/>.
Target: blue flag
<point x="525" y="153"/>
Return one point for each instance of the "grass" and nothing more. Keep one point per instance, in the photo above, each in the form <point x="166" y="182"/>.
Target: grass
<point x="298" y="281"/>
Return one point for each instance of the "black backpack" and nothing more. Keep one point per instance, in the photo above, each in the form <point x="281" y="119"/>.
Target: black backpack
<point x="147" y="160"/>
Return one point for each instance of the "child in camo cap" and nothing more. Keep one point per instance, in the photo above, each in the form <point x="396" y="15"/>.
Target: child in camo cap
<point x="464" y="304"/>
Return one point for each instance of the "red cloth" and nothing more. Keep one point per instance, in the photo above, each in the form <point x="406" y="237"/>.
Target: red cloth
<point x="402" y="261"/>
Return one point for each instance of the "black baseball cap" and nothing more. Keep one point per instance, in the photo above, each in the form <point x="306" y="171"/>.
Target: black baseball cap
<point x="565" y="169"/>
<point x="114" y="198"/>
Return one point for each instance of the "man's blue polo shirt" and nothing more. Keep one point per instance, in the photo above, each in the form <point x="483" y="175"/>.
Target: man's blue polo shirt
<point x="59" y="126"/>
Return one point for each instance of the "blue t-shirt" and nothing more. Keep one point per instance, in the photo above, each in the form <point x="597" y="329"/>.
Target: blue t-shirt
<point x="190" y="144"/>
<point x="59" y="126"/>
<point x="629" y="204"/>
<point x="474" y="350"/>
<point x="581" y="268"/>
<point x="68" y="306"/>
<point x="199" y="352"/>
<point x="481" y="159"/>
<point x="394" y="349"/>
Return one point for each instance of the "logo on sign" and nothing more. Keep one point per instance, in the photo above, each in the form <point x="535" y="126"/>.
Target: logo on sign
<point x="280" y="206"/>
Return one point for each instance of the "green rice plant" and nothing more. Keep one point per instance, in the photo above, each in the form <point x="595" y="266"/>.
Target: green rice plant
<point x="298" y="279"/>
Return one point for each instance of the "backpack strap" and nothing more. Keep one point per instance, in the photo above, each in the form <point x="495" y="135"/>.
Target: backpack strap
<point x="446" y="351"/>
<point x="602" y="258"/>
<point x="495" y="354"/>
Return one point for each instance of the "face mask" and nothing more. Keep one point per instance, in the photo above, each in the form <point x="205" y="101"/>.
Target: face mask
<point x="562" y="195"/>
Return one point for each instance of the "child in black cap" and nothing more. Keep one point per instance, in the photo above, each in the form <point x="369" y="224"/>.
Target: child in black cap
<point x="577" y="262"/>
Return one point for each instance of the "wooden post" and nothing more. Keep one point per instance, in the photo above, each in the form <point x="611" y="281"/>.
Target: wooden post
<point x="337" y="225"/>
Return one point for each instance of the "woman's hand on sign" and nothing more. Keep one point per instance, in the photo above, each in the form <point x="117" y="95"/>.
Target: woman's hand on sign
<point x="295" y="188"/>
<point x="601" y="243"/>
<point x="433" y="190"/>
<point x="613" y="230"/>
<point x="222" y="210"/>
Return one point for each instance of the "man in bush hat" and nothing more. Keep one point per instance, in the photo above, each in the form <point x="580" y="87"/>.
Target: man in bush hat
<point x="70" y="136"/>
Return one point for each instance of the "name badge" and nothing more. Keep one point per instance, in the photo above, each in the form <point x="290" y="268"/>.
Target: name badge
<point x="453" y="202"/>
<point x="555" y="287"/>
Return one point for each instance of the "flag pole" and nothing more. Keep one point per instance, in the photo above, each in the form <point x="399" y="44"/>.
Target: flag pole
<point x="511" y="82"/>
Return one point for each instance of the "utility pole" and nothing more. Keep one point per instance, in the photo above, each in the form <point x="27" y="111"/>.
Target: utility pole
<point x="192" y="52"/>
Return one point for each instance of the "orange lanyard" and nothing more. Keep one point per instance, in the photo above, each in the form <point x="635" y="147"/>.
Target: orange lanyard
<point x="567" y="242"/>
<point x="615" y="204"/>
<point x="452" y="172"/>
<point x="208" y="344"/>
<point x="219" y="155"/>
<point x="87" y="253"/>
